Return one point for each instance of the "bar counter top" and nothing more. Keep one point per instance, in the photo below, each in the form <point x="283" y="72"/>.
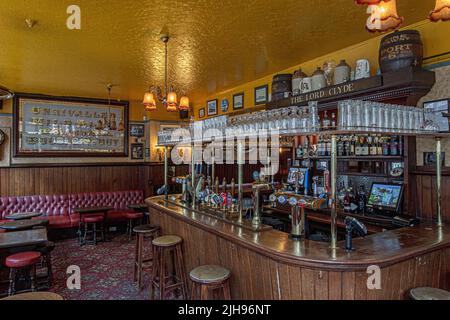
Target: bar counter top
<point x="381" y="249"/>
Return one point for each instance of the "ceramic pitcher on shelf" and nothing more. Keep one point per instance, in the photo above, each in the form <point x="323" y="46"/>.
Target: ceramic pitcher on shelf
<point x="342" y="73"/>
<point x="362" y="69"/>
<point x="318" y="80"/>
<point x="297" y="82"/>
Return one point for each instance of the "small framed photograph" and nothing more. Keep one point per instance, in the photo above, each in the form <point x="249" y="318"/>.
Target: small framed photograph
<point x="201" y="113"/>
<point x="137" y="151"/>
<point x="212" y="107"/>
<point x="261" y="95"/>
<point x="137" y="130"/>
<point x="238" y="101"/>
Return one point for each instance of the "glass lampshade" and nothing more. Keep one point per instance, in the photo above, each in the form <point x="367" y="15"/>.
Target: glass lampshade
<point x="172" y="102"/>
<point x="368" y="2"/>
<point x="384" y="17"/>
<point x="149" y="102"/>
<point x="441" y="11"/>
<point x="184" y="103"/>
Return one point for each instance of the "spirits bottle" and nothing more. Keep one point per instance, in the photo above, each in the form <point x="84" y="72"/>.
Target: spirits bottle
<point x="333" y="121"/>
<point x="394" y="146"/>
<point x="386" y="146"/>
<point x="365" y="146"/>
<point x="362" y="198"/>
<point x="379" y="146"/>
<point x="352" y="146"/>
<point x="326" y="121"/>
<point x="358" y="147"/>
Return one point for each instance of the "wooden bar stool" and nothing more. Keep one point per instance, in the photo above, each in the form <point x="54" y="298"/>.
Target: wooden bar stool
<point x="46" y="263"/>
<point x="210" y="278"/>
<point x="143" y="232"/>
<point x="133" y="218"/>
<point x="22" y="261"/>
<point x="166" y="249"/>
<point x="92" y="221"/>
<point x="429" y="294"/>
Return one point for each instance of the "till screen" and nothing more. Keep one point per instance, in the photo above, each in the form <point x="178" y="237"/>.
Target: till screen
<point x="383" y="195"/>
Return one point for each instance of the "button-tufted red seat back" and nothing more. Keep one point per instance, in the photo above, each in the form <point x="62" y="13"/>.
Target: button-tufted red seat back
<point x="51" y="206"/>
<point x="58" y="209"/>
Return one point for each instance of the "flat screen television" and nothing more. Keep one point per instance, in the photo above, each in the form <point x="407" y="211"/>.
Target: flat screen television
<point x="386" y="197"/>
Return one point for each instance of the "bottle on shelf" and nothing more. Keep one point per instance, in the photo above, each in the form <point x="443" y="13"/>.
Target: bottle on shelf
<point x="362" y="199"/>
<point x="379" y="145"/>
<point x="373" y="145"/>
<point x="358" y="147"/>
<point x="352" y="150"/>
<point x="333" y="121"/>
<point x="364" y="146"/>
<point x="394" y="146"/>
<point x="386" y="146"/>
<point x="326" y="121"/>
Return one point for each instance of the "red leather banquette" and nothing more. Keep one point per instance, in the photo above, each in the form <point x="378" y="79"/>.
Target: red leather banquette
<point x="59" y="209"/>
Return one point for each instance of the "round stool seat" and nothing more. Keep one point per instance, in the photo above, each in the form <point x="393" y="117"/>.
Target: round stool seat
<point x="134" y="215"/>
<point x="24" y="259"/>
<point x="429" y="294"/>
<point x="167" y="241"/>
<point x="210" y="274"/>
<point x="35" y="296"/>
<point x="93" y="219"/>
<point x="146" y="229"/>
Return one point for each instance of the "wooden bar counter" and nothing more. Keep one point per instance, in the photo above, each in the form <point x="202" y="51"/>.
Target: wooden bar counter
<point x="269" y="265"/>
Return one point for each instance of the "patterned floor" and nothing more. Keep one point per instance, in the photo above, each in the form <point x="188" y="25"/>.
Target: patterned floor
<point x="106" y="270"/>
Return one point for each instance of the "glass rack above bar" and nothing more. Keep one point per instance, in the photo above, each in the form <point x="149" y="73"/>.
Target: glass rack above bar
<point x="354" y="116"/>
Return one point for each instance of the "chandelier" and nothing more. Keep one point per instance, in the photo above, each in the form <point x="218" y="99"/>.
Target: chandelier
<point x="168" y="98"/>
<point x="5" y="93"/>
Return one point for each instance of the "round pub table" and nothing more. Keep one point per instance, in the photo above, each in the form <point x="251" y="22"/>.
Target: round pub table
<point x="23" y="216"/>
<point x="35" y="296"/>
<point x="22" y="225"/>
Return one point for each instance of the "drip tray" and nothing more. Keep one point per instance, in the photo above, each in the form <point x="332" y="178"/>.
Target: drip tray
<point x="228" y="217"/>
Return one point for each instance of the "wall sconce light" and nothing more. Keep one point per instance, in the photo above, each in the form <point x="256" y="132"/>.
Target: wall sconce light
<point x="368" y="2"/>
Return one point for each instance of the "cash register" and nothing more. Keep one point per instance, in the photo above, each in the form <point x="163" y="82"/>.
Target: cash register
<point x="386" y="200"/>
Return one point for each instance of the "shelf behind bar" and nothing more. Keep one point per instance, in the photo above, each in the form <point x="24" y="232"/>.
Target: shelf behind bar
<point x="429" y="134"/>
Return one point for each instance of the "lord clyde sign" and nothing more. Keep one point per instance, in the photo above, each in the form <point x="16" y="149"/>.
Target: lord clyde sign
<point x="338" y="90"/>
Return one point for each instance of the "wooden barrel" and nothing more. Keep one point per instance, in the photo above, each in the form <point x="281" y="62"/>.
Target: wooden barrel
<point x="401" y="49"/>
<point x="281" y="84"/>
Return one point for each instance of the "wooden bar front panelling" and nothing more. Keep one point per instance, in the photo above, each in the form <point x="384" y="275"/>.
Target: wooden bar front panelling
<point x="258" y="277"/>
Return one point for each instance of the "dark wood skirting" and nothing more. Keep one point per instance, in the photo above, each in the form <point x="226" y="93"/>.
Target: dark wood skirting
<point x="258" y="275"/>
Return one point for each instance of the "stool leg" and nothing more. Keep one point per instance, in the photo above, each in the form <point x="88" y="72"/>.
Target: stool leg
<point x="193" y="291"/>
<point x="33" y="278"/>
<point x="95" y="233"/>
<point x="140" y="260"/>
<point x="204" y="292"/>
<point x="136" y="256"/>
<point x="12" y="282"/>
<point x="226" y="290"/>
<point x="182" y="275"/>
<point x="162" y="275"/>
<point x="85" y="232"/>
<point x="130" y="229"/>
<point x="154" y="272"/>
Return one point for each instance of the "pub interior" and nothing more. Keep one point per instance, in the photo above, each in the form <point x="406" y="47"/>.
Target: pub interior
<point x="261" y="150"/>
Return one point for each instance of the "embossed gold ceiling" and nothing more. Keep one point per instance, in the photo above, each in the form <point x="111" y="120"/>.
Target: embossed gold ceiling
<point x="216" y="44"/>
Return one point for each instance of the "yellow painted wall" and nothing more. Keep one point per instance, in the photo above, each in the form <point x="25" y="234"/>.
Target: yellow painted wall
<point x="435" y="37"/>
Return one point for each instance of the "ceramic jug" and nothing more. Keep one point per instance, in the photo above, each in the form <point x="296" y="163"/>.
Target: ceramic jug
<point x="342" y="73"/>
<point x="297" y="81"/>
<point x="362" y="69"/>
<point x="318" y="80"/>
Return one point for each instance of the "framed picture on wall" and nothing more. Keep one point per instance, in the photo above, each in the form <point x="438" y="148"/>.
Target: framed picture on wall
<point x="212" y="107"/>
<point x="137" y="130"/>
<point x="238" y="101"/>
<point x="438" y="113"/>
<point x="48" y="126"/>
<point x="137" y="151"/>
<point x="261" y="95"/>
<point x="201" y="113"/>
